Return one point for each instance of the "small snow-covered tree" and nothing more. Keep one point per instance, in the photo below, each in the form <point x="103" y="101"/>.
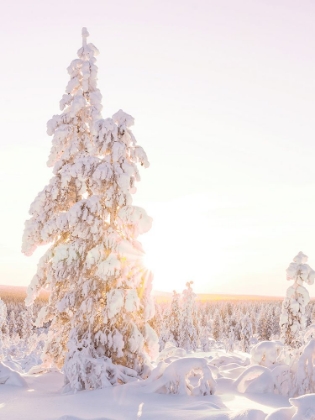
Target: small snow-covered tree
<point x="189" y="329"/>
<point x="261" y="325"/>
<point x="12" y="324"/>
<point x="205" y="337"/>
<point x="217" y="326"/>
<point x="246" y="333"/>
<point x="269" y="323"/>
<point x="27" y="323"/>
<point x="100" y="292"/>
<point x="3" y="320"/>
<point x="229" y="340"/>
<point x="293" y="319"/>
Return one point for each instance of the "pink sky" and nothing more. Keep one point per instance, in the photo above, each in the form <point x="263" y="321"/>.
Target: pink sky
<point x="223" y="95"/>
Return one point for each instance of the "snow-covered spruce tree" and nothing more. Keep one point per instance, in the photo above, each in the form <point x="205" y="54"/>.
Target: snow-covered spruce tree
<point x="293" y="319"/>
<point x="12" y="325"/>
<point x="229" y="340"/>
<point x="27" y="324"/>
<point x="100" y="298"/>
<point x="3" y="321"/>
<point x="112" y="310"/>
<point x="217" y="326"/>
<point x="59" y="268"/>
<point x="164" y="328"/>
<point x="174" y="319"/>
<point x="246" y="332"/>
<point x="269" y="322"/>
<point x="189" y="328"/>
<point x="261" y="325"/>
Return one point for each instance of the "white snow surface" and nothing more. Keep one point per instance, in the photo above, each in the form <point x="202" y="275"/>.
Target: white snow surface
<point x="204" y="392"/>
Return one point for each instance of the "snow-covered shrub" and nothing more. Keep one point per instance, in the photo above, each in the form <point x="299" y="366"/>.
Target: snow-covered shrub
<point x="175" y="378"/>
<point x="305" y="370"/>
<point x="293" y="318"/>
<point x="255" y="380"/>
<point x="266" y="353"/>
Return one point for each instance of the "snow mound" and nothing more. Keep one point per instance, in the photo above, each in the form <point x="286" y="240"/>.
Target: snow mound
<point x="256" y="380"/>
<point x="281" y="414"/>
<point x="228" y="360"/>
<point x="10" y="377"/>
<point x="305" y="407"/>
<point x="170" y="351"/>
<point x="250" y="414"/>
<point x="188" y="376"/>
<point x="265" y="353"/>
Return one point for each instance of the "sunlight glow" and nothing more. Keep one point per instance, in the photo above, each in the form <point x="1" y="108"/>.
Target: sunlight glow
<point x="178" y="248"/>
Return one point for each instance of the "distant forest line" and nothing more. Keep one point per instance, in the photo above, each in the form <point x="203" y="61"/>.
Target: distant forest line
<point x="18" y="294"/>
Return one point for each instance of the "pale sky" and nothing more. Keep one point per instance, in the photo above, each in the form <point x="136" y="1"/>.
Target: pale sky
<point x="223" y="96"/>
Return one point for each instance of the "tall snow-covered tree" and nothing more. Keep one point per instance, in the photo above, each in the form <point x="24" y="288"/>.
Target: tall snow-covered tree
<point x="100" y="301"/>
<point x="293" y="319"/>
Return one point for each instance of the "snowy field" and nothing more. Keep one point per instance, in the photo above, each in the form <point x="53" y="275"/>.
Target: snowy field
<point x="217" y="360"/>
<point x="39" y="397"/>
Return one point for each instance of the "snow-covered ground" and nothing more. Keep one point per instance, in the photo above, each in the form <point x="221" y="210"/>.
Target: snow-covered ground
<point x="41" y="397"/>
<point x="42" y="400"/>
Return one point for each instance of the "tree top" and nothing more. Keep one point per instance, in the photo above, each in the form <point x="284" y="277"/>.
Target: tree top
<point x="85" y="34"/>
